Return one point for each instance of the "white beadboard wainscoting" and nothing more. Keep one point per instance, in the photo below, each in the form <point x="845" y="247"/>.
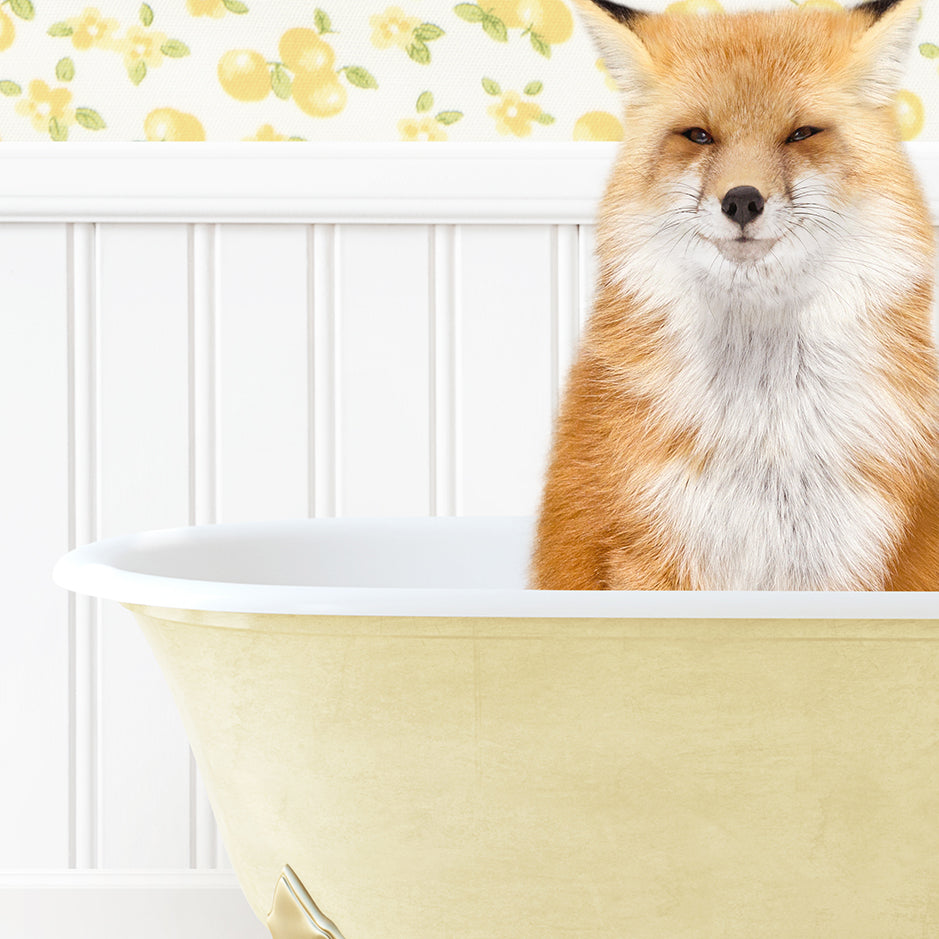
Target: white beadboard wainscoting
<point x="205" y="333"/>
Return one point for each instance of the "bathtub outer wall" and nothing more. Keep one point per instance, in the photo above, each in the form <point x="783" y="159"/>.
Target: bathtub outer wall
<point x="434" y="778"/>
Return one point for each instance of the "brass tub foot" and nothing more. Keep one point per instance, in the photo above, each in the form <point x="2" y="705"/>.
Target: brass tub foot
<point x="294" y="915"/>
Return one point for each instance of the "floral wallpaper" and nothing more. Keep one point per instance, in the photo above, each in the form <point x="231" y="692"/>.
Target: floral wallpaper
<point x="414" y="70"/>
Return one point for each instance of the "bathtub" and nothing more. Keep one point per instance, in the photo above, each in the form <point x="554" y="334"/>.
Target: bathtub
<point x="400" y="742"/>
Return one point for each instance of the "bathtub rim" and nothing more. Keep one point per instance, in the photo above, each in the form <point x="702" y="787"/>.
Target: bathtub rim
<point x="94" y="570"/>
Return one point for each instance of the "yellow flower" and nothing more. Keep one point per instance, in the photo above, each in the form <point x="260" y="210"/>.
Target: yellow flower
<point x="45" y="103"/>
<point x="92" y="29"/>
<point x="421" y="128"/>
<point x="513" y="115"/>
<point x="139" y="44"/>
<point x="267" y="132"/>
<point x="392" y="28"/>
<point x="213" y="8"/>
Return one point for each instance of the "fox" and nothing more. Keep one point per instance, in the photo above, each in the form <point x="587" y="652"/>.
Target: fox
<point x="754" y="402"/>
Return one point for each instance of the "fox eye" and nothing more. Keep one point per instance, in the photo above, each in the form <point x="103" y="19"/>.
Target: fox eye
<point x="801" y="133"/>
<point x="698" y="135"/>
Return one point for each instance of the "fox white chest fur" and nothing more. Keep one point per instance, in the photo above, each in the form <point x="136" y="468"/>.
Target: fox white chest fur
<point x="778" y="381"/>
<point x="782" y="412"/>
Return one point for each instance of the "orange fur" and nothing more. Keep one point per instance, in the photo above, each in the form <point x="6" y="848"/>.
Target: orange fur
<point x="750" y="80"/>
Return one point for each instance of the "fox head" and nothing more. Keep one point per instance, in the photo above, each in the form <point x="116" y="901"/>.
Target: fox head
<point x="761" y="151"/>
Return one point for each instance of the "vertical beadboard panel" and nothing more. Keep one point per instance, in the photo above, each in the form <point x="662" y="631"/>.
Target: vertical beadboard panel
<point x="144" y="466"/>
<point x="444" y="266"/>
<point x="203" y="509"/>
<point x="505" y="353"/>
<point x="34" y="513"/>
<point x="322" y="289"/>
<point x="384" y="348"/>
<point x="84" y="524"/>
<point x="262" y="344"/>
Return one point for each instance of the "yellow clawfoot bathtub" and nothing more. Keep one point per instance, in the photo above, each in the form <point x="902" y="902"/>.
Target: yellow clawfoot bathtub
<point x="399" y="742"/>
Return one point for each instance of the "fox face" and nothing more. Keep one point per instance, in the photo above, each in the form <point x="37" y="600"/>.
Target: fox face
<point x="761" y="151"/>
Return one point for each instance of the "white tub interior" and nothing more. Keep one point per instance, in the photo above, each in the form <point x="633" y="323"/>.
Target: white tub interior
<point x="434" y="553"/>
<point x="442" y="566"/>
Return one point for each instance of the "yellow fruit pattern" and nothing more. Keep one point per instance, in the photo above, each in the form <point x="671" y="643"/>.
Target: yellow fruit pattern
<point x="273" y="71"/>
<point x="543" y="22"/>
<point x="305" y="72"/>
<point x="910" y="114"/>
<point x="598" y="125"/>
<point x="215" y="8"/>
<point x="170" y="124"/>
<point x="820" y="4"/>
<point x="700" y="7"/>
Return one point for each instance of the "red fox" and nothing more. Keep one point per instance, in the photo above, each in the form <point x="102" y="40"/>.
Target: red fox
<point x="755" y="402"/>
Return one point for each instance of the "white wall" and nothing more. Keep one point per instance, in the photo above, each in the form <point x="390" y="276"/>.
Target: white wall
<point x="388" y="340"/>
<point x="207" y="365"/>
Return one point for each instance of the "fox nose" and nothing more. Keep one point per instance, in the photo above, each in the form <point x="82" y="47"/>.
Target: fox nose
<point x="742" y="203"/>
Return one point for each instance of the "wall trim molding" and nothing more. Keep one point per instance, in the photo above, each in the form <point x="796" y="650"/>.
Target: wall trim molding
<point x="107" y="904"/>
<point x="118" y="880"/>
<point x="551" y="183"/>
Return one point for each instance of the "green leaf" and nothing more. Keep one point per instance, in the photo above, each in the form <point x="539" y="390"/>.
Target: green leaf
<point x="491" y="87"/>
<point x="469" y="12"/>
<point x="427" y="31"/>
<point x="146" y="14"/>
<point x="60" y="29"/>
<point x="174" y="48"/>
<point x="419" y="52"/>
<point x="533" y="88"/>
<point x="359" y="77"/>
<point x="281" y="82"/>
<point x="448" y="117"/>
<point x="234" y="6"/>
<point x="929" y="50"/>
<point x="296" y="138"/>
<point x="543" y="118"/>
<point x="539" y="45"/>
<point x="138" y="72"/>
<point x="10" y="89"/>
<point x="24" y="10"/>
<point x="323" y="22"/>
<point x="57" y="131"/>
<point x="89" y="119"/>
<point x="425" y="102"/>
<point x="65" y="70"/>
<point x="495" y="28"/>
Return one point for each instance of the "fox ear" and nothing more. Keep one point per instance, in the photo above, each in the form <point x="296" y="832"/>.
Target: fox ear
<point x="879" y="60"/>
<point x="626" y="58"/>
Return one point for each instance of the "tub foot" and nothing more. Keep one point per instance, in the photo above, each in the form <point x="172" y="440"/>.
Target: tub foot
<point x="294" y="915"/>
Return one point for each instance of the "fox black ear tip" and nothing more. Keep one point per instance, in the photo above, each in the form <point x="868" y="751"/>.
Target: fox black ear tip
<point x="622" y="14"/>
<point x="877" y="8"/>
